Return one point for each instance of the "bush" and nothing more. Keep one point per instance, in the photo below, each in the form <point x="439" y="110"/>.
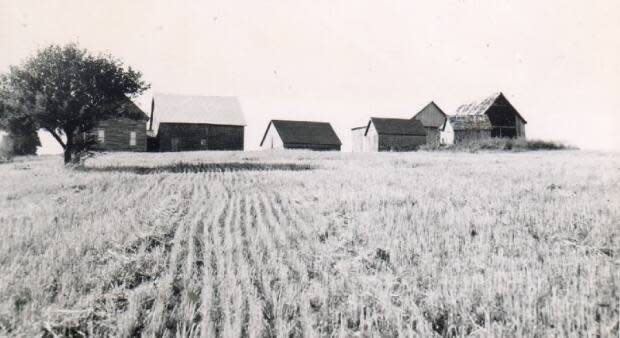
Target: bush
<point x="502" y="144"/>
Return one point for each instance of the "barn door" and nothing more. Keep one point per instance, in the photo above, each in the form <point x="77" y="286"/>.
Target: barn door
<point x="174" y="144"/>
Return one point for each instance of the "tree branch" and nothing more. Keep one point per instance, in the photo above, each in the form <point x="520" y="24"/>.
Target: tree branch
<point x="62" y="144"/>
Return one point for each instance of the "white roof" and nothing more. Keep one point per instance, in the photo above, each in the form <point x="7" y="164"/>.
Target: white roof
<point x="222" y="110"/>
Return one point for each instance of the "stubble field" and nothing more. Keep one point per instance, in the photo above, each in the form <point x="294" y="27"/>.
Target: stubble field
<point x="296" y="244"/>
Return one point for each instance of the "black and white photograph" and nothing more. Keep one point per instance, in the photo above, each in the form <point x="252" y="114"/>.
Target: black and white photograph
<point x="309" y="168"/>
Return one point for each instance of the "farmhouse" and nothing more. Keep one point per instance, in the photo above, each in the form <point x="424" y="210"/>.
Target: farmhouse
<point x="434" y="121"/>
<point x="281" y="134"/>
<point x="121" y="134"/>
<point x="184" y="123"/>
<point x="389" y="134"/>
<point x="491" y="117"/>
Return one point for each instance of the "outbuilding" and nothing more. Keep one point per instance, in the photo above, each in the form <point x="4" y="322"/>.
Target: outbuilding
<point x="497" y="111"/>
<point x="184" y="123"/>
<point x="391" y="134"/>
<point x="434" y="121"/>
<point x="469" y="128"/>
<point x="126" y="133"/>
<point x="284" y="134"/>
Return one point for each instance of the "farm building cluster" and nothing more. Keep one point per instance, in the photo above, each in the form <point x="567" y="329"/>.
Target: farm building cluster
<point x="186" y="123"/>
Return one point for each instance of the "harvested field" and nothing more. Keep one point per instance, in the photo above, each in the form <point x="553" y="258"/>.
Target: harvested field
<point x="304" y="244"/>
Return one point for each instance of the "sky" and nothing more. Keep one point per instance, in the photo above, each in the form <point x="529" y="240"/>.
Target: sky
<point x="557" y="61"/>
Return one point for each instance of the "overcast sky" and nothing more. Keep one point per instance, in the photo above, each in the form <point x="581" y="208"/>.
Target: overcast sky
<point x="558" y="62"/>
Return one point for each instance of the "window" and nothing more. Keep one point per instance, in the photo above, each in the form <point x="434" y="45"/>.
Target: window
<point x="132" y="138"/>
<point x="101" y="135"/>
<point x="203" y="142"/>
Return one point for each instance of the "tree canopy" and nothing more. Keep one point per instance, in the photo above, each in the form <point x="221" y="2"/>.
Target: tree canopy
<point x="66" y="91"/>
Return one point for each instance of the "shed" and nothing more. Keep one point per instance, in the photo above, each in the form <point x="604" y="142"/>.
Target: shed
<point x="434" y="121"/>
<point x="468" y="128"/>
<point x="126" y="133"/>
<point x="390" y="134"/>
<point x="283" y="134"/>
<point x="358" y="140"/>
<point x="185" y="123"/>
<point x="504" y="119"/>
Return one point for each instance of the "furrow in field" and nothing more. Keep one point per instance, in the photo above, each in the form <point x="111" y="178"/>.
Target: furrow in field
<point x="300" y="246"/>
<point x="252" y="306"/>
<point x="163" y="307"/>
<point x="192" y="280"/>
<point x="209" y="303"/>
<point x="294" y="277"/>
<point x="260" y="256"/>
<point x="218" y="313"/>
<point x="228" y="277"/>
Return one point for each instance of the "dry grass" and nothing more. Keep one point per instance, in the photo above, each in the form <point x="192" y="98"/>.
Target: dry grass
<point x="311" y="244"/>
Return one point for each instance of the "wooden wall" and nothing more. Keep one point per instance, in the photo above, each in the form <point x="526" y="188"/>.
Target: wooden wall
<point x="461" y="136"/>
<point x="400" y="142"/>
<point x="431" y="117"/>
<point x="190" y="136"/>
<point x="117" y="135"/>
<point x="432" y="136"/>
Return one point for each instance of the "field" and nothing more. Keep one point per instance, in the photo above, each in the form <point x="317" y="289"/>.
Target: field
<point x="312" y="244"/>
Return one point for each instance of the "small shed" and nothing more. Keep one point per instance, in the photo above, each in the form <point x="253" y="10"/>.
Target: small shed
<point x="283" y="134"/>
<point x="504" y="119"/>
<point x="390" y="134"/>
<point x="185" y="123"/>
<point x="469" y="128"/>
<point x="127" y="133"/>
<point x="434" y="121"/>
<point x="358" y="140"/>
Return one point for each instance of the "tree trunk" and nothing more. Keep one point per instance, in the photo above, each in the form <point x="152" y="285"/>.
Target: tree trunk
<point x="68" y="148"/>
<point x="67" y="155"/>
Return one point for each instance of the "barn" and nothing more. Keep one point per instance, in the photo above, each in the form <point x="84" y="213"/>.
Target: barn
<point x="390" y="134"/>
<point x="504" y="119"/>
<point x="186" y="123"/>
<point x="434" y="121"/>
<point x="123" y="133"/>
<point x="282" y="134"/>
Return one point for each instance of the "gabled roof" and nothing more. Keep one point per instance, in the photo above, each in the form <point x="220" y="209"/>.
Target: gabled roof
<point x="220" y="110"/>
<point x="479" y="108"/>
<point x="131" y="110"/>
<point x="432" y="107"/>
<point x="304" y="132"/>
<point x="470" y="122"/>
<point x="390" y="126"/>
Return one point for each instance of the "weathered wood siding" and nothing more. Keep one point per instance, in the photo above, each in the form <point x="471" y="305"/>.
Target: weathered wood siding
<point x="189" y="136"/>
<point x="379" y="142"/>
<point x="432" y="136"/>
<point x="117" y="135"/>
<point x="461" y="136"/>
<point x="400" y="142"/>
<point x="520" y="127"/>
<point x="431" y="117"/>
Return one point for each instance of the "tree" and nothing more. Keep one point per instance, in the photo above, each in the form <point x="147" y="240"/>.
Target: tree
<point x="22" y="137"/>
<point x="68" y="91"/>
